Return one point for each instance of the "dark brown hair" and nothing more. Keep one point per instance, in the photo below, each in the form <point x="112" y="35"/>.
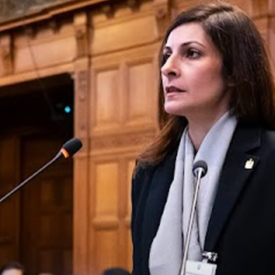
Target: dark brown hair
<point x="246" y="69"/>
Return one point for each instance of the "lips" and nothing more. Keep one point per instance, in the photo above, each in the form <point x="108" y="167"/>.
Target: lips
<point x="173" y="89"/>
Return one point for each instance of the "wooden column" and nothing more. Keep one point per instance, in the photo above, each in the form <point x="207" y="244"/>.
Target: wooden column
<point x="81" y="160"/>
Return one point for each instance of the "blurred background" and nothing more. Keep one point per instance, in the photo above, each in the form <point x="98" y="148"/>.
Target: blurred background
<point x="85" y="68"/>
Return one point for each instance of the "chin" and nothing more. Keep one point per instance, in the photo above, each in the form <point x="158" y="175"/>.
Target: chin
<point x="174" y="110"/>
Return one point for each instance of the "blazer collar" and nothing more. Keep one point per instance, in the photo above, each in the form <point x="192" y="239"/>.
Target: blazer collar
<point x="241" y="161"/>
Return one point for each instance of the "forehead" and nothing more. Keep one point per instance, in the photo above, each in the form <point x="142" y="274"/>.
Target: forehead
<point x="189" y="32"/>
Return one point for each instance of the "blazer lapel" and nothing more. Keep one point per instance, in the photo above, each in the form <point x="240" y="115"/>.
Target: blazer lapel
<point x="239" y="165"/>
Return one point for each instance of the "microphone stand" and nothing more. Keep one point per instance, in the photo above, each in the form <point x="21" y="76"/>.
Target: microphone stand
<point x="200" y="174"/>
<point x="18" y="187"/>
<point x="68" y="150"/>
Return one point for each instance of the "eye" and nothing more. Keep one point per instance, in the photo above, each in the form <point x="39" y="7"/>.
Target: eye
<point x="193" y="53"/>
<point x="165" y="57"/>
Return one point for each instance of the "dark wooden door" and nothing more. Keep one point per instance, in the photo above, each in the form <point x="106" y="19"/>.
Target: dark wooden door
<point x="46" y="208"/>
<point x="9" y="209"/>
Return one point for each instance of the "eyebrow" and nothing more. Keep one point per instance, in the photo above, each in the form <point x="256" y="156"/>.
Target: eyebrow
<point x="185" y="44"/>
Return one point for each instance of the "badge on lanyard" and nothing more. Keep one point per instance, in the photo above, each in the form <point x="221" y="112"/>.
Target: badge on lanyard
<point x="204" y="267"/>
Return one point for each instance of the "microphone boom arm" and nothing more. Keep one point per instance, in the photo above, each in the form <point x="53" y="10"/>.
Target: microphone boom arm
<point x="18" y="187"/>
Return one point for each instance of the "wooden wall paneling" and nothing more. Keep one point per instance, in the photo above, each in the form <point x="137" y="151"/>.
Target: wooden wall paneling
<point x="9" y="209"/>
<point x="257" y="8"/>
<point x="103" y="216"/>
<point x="81" y="169"/>
<point x="123" y="113"/>
<point x="46" y="209"/>
<point x="81" y="218"/>
<point x="126" y="85"/>
<point x="110" y="210"/>
<point x="140" y="93"/>
<point x="82" y="33"/>
<point x="6" y="54"/>
<point x="128" y="26"/>
<point x="163" y="11"/>
<point x="106" y="191"/>
<point x="54" y="51"/>
<point x="125" y="251"/>
<point x="122" y="35"/>
<point x="106" y="249"/>
<point x="48" y="46"/>
<point x="106" y="103"/>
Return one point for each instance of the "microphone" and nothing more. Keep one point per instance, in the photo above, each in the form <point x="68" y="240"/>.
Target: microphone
<point x="199" y="171"/>
<point x="67" y="150"/>
<point x="199" y="168"/>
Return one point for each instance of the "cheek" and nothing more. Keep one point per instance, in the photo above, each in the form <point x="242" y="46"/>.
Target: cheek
<point x="162" y="77"/>
<point x="208" y="79"/>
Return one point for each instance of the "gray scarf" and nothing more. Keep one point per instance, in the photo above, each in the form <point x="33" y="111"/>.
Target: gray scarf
<point x="167" y="248"/>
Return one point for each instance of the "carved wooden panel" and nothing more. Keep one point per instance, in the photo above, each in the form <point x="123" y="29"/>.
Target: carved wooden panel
<point x="6" y="54"/>
<point x="140" y="94"/>
<point x="106" y="191"/>
<point x="106" y="104"/>
<point x="257" y="8"/>
<point x="81" y="222"/>
<point x="115" y="143"/>
<point x="123" y="94"/>
<point x="133" y="32"/>
<point x="106" y="249"/>
<point x="81" y="99"/>
<point x="48" y="53"/>
<point x="110" y="188"/>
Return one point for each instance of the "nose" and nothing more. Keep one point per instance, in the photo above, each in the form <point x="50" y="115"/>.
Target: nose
<point x="171" y="68"/>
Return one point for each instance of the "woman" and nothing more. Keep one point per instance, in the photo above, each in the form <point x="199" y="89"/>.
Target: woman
<point x="215" y="104"/>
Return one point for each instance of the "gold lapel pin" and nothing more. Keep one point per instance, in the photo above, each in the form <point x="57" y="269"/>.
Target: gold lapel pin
<point x="249" y="164"/>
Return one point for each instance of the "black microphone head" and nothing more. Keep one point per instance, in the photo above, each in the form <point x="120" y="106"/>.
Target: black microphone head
<point x="200" y="165"/>
<point x="71" y="147"/>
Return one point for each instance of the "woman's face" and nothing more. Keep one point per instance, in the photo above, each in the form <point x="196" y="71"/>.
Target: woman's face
<point x="192" y="75"/>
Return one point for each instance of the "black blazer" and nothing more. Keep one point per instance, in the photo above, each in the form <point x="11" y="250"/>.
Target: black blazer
<point x="242" y="224"/>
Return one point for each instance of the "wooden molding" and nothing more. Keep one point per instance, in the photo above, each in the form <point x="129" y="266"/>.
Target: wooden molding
<point x="109" y="143"/>
<point x="30" y="31"/>
<point x="7" y="56"/>
<point x="81" y="101"/>
<point x="108" y="9"/>
<point x="54" y="25"/>
<point x="49" y="12"/>
<point x="133" y="4"/>
<point x="259" y="8"/>
<point x="161" y="10"/>
<point x="81" y="34"/>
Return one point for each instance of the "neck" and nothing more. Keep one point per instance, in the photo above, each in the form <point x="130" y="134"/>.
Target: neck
<point x="198" y="129"/>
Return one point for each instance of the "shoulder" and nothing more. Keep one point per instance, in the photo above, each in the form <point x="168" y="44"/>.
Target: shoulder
<point x="142" y="172"/>
<point x="268" y="142"/>
<point x="269" y="136"/>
